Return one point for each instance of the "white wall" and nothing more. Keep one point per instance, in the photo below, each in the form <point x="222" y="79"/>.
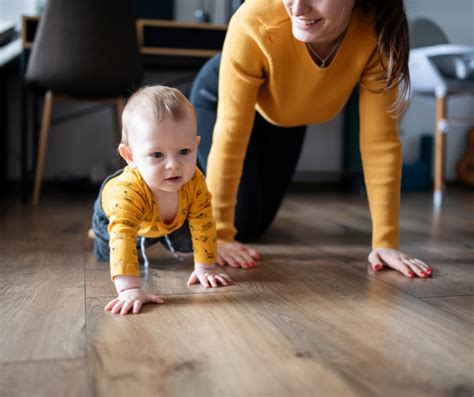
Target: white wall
<point x="11" y="10"/>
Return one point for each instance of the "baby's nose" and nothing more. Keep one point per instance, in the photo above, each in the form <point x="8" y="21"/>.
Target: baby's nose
<point x="172" y="163"/>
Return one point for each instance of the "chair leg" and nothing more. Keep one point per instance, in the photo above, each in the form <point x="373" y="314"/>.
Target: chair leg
<point x="118" y="107"/>
<point x="440" y="143"/>
<point x="45" y="123"/>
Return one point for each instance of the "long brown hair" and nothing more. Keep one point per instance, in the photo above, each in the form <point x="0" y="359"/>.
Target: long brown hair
<point x="391" y="31"/>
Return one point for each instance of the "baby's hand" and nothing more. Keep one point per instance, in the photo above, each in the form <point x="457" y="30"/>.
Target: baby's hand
<point x="208" y="275"/>
<point x="131" y="298"/>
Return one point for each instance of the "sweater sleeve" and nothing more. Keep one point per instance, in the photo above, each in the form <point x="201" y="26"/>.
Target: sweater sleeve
<point x="125" y="210"/>
<point x="202" y="224"/>
<point x="242" y="72"/>
<point x="381" y="156"/>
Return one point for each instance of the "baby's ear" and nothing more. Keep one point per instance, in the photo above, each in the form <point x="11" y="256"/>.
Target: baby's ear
<point x="126" y="153"/>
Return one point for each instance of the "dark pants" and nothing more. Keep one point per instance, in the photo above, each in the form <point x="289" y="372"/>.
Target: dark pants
<point x="269" y="164"/>
<point x="179" y="241"/>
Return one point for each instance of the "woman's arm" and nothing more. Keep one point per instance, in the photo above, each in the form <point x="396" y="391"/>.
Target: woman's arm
<point x="382" y="161"/>
<point x="381" y="157"/>
<point x="242" y="72"/>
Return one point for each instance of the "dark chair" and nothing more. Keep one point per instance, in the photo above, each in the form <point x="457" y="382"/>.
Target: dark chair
<point x="83" y="50"/>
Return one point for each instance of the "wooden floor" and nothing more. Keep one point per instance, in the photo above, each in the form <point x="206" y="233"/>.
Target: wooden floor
<point x="311" y="320"/>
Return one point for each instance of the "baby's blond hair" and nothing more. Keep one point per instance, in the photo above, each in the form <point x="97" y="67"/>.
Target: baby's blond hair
<point x="162" y="102"/>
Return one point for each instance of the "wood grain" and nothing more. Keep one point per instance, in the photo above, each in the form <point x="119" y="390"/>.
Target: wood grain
<point x="301" y="328"/>
<point x="166" y="275"/>
<point x="459" y="306"/>
<point x="311" y="319"/>
<point x="368" y="323"/>
<point x="43" y="378"/>
<point x="186" y="348"/>
<point x="42" y="295"/>
<point x="42" y="319"/>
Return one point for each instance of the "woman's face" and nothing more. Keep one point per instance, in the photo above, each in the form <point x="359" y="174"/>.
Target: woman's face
<point x="319" y="21"/>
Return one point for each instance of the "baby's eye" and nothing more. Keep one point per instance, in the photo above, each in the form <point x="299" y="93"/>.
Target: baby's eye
<point x="184" y="152"/>
<point x="157" y="155"/>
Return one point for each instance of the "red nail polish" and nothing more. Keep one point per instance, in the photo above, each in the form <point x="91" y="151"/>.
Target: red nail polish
<point x="411" y="274"/>
<point x="423" y="274"/>
<point x="377" y="266"/>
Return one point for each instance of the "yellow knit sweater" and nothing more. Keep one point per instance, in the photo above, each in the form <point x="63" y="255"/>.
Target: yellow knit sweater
<point x="265" y="68"/>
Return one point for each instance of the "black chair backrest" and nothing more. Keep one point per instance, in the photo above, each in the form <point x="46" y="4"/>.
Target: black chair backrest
<point x="86" y="48"/>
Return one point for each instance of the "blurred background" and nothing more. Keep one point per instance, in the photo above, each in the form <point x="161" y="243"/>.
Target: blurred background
<point x="328" y="154"/>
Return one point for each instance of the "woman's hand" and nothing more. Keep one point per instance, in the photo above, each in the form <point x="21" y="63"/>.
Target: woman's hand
<point x="236" y="254"/>
<point x="410" y="267"/>
<point x="133" y="298"/>
<point x="208" y="276"/>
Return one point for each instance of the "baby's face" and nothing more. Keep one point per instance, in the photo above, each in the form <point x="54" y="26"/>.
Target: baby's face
<point x="165" y="152"/>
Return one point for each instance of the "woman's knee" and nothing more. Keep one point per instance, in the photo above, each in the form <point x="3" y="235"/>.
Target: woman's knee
<point x="249" y="234"/>
<point x="250" y="226"/>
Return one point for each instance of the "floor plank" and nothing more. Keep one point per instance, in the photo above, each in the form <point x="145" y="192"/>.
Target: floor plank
<point x="42" y="291"/>
<point x="327" y="327"/>
<point x="201" y="344"/>
<point x="448" y="279"/>
<point x="368" y="323"/>
<point x="340" y="229"/>
<point x="166" y="275"/>
<point x="43" y="299"/>
<point x="43" y="378"/>
<point x="311" y="319"/>
<point x="459" y="306"/>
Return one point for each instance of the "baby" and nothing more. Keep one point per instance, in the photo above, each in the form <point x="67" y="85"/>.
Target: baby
<point x="159" y="196"/>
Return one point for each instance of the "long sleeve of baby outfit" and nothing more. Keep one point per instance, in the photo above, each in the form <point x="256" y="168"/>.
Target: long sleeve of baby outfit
<point x="201" y="222"/>
<point x="126" y="206"/>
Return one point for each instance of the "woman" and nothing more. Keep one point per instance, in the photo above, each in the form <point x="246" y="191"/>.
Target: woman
<point x="286" y="64"/>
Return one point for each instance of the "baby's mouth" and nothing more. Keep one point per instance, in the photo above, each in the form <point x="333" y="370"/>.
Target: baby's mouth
<point x="173" y="179"/>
